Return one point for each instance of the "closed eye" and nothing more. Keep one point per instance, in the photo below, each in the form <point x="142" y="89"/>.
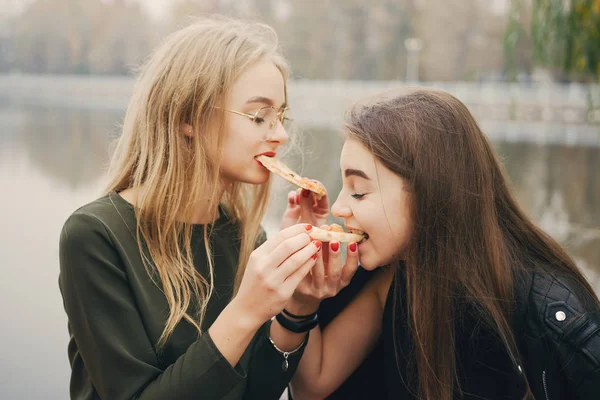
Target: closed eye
<point x="358" y="196"/>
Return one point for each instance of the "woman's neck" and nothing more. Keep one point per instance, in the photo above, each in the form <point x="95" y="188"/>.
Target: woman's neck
<point x="202" y="213"/>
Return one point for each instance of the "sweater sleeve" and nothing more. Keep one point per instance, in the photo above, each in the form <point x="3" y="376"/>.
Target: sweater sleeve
<point x="109" y="345"/>
<point x="262" y="237"/>
<point x="266" y="377"/>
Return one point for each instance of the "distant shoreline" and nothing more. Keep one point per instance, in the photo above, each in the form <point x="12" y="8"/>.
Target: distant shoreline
<point x="553" y="113"/>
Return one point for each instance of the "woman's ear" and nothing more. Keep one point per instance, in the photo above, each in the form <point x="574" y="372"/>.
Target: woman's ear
<point x="187" y="130"/>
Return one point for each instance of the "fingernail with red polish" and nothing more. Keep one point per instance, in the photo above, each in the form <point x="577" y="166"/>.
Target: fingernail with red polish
<point x="308" y="227"/>
<point x="335" y="246"/>
<point x="305" y="193"/>
<point x="352" y="247"/>
<point x="317" y="243"/>
<point x="297" y="198"/>
<point x="314" y="256"/>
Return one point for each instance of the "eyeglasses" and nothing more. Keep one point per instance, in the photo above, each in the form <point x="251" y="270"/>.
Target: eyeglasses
<point x="266" y="118"/>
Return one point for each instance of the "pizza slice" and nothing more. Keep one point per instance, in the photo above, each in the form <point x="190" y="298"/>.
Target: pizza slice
<point x="337" y="233"/>
<point x="279" y="168"/>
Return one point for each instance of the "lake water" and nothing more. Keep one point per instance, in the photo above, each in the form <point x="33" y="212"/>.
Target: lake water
<point x="52" y="161"/>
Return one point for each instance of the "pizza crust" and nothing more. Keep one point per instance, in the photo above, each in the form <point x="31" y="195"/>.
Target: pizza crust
<point x="279" y="168"/>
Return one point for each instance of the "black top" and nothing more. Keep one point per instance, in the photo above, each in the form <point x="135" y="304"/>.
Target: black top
<point x="484" y="367"/>
<point x="367" y="381"/>
<point x="116" y="315"/>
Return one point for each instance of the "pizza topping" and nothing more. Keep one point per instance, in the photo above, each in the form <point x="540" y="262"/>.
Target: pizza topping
<point x="279" y="168"/>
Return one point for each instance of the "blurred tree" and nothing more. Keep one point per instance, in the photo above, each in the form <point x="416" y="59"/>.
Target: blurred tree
<point x="565" y="36"/>
<point x="335" y="39"/>
<point x="7" y="44"/>
<point x="461" y="39"/>
<point x="323" y="39"/>
<point x="308" y="34"/>
<point x="517" y="40"/>
<point x="353" y="54"/>
<point x="81" y="36"/>
<point x="55" y="35"/>
<point x="123" y="40"/>
<point x="184" y="9"/>
<point x="390" y="24"/>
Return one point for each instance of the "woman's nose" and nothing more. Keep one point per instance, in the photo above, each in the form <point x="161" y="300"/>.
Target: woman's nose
<point x="280" y="135"/>
<point x="338" y="209"/>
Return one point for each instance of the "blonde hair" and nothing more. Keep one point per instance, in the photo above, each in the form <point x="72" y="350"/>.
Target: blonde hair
<point x="182" y="82"/>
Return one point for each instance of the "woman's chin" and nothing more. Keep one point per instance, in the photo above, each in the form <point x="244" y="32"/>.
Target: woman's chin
<point x="370" y="260"/>
<point x="252" y="174"/>
<point x="367" y="263"/>
<point x="259" y="179"/>
<point x="254" y="178"/>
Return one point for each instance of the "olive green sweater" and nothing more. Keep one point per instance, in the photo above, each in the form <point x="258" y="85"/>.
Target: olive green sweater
<point x="116" y="315"/>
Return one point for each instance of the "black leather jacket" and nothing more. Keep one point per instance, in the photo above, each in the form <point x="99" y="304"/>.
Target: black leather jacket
<point x="558" y="334"/>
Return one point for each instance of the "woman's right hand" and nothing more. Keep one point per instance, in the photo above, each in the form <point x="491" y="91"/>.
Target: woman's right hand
<point x="274" y="270"/>
<point x="328" y="277"/>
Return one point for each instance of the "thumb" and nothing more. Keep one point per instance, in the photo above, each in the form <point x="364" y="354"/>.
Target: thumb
<point x="292" y="211"/>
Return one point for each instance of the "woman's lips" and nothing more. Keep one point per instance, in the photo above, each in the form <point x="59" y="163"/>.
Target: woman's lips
<point x="359" y="232"/>
<point x="267" y="154"/>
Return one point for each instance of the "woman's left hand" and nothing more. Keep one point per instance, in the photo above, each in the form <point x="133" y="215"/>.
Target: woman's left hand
<point x="303" y="207"/>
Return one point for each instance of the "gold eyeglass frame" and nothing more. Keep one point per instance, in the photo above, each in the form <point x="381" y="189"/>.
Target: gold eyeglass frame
<point x="280" y="115"/>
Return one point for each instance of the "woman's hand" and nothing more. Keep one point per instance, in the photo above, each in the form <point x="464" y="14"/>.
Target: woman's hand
<point x="326" y="279"/>
<point x="274" y="271"/>
<point x="303" y="207"/>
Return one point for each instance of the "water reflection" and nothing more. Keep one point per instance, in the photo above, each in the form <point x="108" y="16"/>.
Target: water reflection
<point x="559" y="187"/>
<point x="67" y="145"/>
<point x="51" y="161"/>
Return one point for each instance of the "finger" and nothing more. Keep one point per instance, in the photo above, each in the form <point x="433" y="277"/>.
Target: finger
<point x="321" y="212"/>
<point x="293" y="203"/>
<point x="325" y="255"/>
<point x="334" y="262"/>
<point x="318" y="271"/>
<point x="323" y="202"/>
<point x="320" y="208"/>
<point x="288" y="249"/>
<point x="305" y="285"/>
<point x="325" y="249"/>
<point x="293" y="280"/>
<point x="297" y="260"/>
<point x="291" y="215"/>
<point x="306" y="206"/>
<point x="351" y="265"/>
<point x="271" y="244"/>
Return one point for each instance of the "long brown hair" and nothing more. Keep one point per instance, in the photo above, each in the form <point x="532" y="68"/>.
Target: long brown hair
<point x="471" y="240"/>
<point x="182" y="82"/>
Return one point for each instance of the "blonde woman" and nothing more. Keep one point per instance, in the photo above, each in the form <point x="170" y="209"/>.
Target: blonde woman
<point x="167" y="280"/>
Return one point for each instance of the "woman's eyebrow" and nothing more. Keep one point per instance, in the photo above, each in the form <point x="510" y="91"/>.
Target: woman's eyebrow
<point x="264" y="100"/>
<point x="356" y="172"/>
